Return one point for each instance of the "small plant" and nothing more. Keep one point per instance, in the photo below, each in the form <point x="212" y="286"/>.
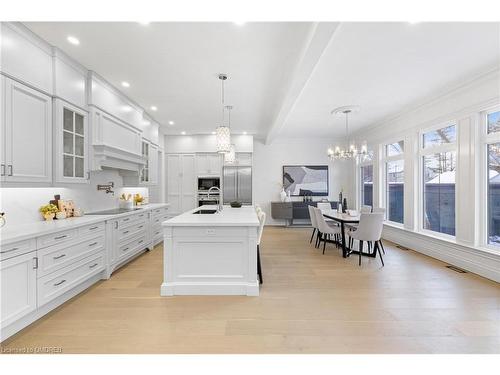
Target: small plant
<point x="48" y="209"/>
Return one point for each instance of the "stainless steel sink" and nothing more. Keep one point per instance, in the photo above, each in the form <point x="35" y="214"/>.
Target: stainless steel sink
<point x="204" y="212"/>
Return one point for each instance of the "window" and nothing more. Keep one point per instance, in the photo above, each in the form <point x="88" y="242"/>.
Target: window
<point x="394" y="181"/>
<point x="366" y="177"/>
<point x="438" y="157"/>
<point x="493" y="177"/>
<point x="395" y="189"/>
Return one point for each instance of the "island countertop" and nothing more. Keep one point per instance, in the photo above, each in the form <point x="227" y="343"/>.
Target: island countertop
<point x="233" y="217"/>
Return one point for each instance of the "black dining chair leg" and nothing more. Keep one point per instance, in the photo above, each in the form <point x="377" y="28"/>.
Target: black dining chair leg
<point x="318" y="239"/>
<point x="369" y="246"/>
<point x="380" y="254"/>
<point x="259" y="267"/>
<point x="312" y="235"/>
<point x="382" y="246"/>
<point x="324" y="246"/>
<point x="360" y="251"/>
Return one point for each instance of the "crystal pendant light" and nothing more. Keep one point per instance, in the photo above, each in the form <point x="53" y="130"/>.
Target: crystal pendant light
<point x="230" y="157"/>
<point x="223" y="132"/>
<point x="349" y="150"/>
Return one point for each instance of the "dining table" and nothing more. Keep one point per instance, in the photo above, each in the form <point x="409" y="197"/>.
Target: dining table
<point x="344" y="219"/>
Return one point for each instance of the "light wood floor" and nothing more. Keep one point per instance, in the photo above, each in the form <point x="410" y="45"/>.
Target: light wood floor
<point x="309" y="303"/>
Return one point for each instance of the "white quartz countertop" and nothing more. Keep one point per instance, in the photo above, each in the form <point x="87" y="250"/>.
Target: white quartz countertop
<point x="229" y="217"/>
<point x="13" y="233"/>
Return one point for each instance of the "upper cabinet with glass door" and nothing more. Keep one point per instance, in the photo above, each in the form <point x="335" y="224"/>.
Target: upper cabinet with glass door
<point x="71" y="151"/>
<point x="145" y="170"/>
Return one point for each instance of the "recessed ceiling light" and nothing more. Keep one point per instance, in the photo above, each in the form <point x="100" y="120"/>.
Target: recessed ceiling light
<point x="183" y="133"/>
<point x="213" y="133"/>
<point x="153" y="108"/>
<point x="413" y="22"/>
<point x="239" y="23"/>
<point x="73" y="40"/>
<point x="245" y="133"/>
<point x="171" y="122"/>
<point x="125" y="84"/>
<point x="144" y="23"/>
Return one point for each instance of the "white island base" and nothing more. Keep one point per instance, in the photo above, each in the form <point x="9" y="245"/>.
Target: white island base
<point x="211" y="254"/>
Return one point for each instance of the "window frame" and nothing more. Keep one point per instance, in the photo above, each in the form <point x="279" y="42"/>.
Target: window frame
<point x="383" y="162"/>
<point x="485" y="139"/>
<point x="432" y="150"/>
<point x="362" y="164"/>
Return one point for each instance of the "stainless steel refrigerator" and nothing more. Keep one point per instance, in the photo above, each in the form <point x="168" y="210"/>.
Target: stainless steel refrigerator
<point x="237" y="185"/>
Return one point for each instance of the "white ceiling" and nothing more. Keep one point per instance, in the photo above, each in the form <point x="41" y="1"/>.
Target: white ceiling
<point x="382" y="67"/>
<point x="174" y="66"/>
<point x="385" y="68"/>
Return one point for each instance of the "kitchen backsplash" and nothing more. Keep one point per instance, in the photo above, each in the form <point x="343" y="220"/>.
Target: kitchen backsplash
<point x="21" y="204"/>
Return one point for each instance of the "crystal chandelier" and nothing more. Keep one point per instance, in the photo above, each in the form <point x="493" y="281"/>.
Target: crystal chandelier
<point x="349" y="150"/>
<point x="230" y="156"/>
<point x="223" y="133"/>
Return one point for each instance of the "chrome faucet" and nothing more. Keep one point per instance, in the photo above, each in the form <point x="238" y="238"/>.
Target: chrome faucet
<point x="219" y="203"/>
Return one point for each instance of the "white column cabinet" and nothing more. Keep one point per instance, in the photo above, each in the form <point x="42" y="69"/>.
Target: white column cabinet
<point x="209" y="164"/>
<point x="26" y="122"/>
<point x="18" y="288"/>
<point x="153" y="164"/>
<point x="71" y="144"/>
<point x="181" y="182"/>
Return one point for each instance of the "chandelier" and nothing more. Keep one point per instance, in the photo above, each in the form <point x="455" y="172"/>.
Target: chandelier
<point x="230" y="156"/>
<point x="223" y="133"/>
<point x="349" y="150"/>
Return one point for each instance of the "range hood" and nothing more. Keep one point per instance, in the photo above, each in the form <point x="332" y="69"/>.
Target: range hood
<point x="107" y="157"/>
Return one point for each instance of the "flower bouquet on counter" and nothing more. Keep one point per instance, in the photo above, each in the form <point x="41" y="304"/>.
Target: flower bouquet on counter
<point x="126" y="201"/>
<point x="138" y="199"/>
<point x="48" y="211"/>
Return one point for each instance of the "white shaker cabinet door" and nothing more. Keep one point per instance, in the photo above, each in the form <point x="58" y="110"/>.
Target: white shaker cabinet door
<point x="18" y="283"/>
<point x="153" y="165"/>
<point x="174" y="176"/>
<point x="188" y="182"/>
<point x="27" y="127"/>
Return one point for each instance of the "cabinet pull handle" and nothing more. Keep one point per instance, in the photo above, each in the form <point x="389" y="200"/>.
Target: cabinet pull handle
<point x="140" y="226"/>
<point x="93" y="228"/>
<point x="141" y="241"/>
<point x="60" y="237"/>
<point x="35" y="266"/>
<point x="125" y="249"/>
<point x="92" y="266"/>
<point x="92" y="244"/>
<point x="60" y="256"/>
<point x="116" y="224"/>
<point x="60" y="282"/>
<point x="125" y="232"/>
<point x="3" y="170"/>
<point x="11" y="170"/>
<point x="8" y="251"/>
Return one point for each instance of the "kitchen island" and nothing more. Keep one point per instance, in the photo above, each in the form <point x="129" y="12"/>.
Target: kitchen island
<point x="211" y="253"/>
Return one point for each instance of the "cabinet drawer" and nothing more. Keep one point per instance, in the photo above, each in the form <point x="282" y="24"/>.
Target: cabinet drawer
<point x="56" y="257"/>
<point x="159" y="211"/>
<point x="157" y="233"/>
<point x="92" y="228"/>
<point x="17" y="248"/>
<point x="134" y="229"/>
<point x="55" y="284"/>
<point x="211" y="232"/>
<point x="55" y="238"/>
<point x="160" y="219"/>
<point x="132" y="246"/>
<point x="132" y="218"/>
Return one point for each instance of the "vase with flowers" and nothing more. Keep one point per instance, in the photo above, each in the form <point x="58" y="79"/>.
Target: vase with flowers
<point x="48" y="211"/>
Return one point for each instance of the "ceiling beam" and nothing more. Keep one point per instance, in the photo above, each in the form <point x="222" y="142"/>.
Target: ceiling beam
<point x="319" y="38"/>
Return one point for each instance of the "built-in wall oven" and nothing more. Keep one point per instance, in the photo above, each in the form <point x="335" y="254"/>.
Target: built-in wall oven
<point x="204" y="185"/>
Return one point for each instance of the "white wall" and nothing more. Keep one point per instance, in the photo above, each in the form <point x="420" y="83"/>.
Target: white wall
<point x="175" y="144"/>
<point x="268" y="161"/>
<point x="21" y="204"/>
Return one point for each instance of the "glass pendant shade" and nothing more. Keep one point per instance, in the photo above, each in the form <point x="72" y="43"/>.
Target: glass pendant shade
<point x="223" y="139"/>
<point x="230" y="157"/>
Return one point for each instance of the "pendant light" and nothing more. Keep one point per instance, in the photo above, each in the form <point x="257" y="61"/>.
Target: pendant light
<point x="230" y="157"/>
<point x="349" y="150"/>
<point x="223" y="133"/>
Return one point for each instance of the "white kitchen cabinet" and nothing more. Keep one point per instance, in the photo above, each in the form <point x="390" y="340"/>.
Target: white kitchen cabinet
<point x="153" y="164"/>
<point x="209" y="164"/>
<point x="71" y="151"/>
<point x="26" y="122"/>
<point x="181" y="182"/>
<point x="144" y="177"/>
<point x="18" y="287"/>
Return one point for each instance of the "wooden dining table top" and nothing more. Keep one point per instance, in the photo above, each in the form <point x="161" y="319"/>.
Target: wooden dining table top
<point x="346" y="218"/>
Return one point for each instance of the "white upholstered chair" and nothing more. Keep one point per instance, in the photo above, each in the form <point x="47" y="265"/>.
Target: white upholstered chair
<point x="325" y="230"/>
<point x="314" y="224"/>
<point x="369" y="230"/>
<point x="262" y="222"/>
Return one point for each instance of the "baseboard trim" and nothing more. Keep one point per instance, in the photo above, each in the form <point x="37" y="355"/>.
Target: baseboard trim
<point x="208" y="289"/>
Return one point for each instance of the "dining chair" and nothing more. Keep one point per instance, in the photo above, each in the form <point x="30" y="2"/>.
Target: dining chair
<point x="369" y="230"/>
<point x="365" y="209"/>
<point x="314" y="224"/>
<point x="325" y="229"/>
<point x="380" y="210"/>
<point x="353" y="226"/>
<point x="262" y="221"/>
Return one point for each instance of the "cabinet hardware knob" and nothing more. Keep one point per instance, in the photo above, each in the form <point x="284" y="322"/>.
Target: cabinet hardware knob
<point x="60" y="282"/>
<point x="60" y="256"/>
